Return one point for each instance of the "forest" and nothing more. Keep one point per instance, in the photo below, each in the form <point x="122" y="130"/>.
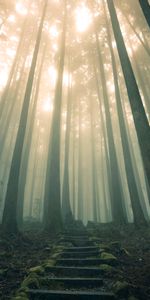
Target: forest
<point x="74" y="149"/>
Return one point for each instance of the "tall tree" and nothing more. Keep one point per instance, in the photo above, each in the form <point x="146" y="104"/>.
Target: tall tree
<point x="146" y="10"/>
<point x="9" y="222"/>
<point x="80" y="210"/>
<point x="66" y="208"/>
<point x="139" y="115"/>
<point x="52" y="203"/>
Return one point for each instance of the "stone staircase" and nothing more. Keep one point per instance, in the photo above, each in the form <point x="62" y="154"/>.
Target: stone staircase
<point x="76" y="273"/>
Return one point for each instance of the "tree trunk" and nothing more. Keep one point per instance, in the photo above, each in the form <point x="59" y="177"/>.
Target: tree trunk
<point x="66" y="208"/>
<point x="146" y="10"/>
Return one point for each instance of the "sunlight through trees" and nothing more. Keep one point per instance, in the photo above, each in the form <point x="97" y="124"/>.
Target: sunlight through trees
<point x="74" y="112"/>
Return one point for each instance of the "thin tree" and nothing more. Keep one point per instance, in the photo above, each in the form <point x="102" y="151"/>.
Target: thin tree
<point x="66" y="208"/>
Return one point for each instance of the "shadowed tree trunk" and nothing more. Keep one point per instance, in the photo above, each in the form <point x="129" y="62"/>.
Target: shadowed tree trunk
<point x="9" y="222"/>
<point x="146" y="10"/>
<point x="80" y="168"/>
<point x="52" y="203"/>
<point x="93" y="167"/>
<point x="139" y="115"/>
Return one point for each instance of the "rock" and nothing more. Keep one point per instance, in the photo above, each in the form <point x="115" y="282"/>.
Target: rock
<point x="38" y="270"/>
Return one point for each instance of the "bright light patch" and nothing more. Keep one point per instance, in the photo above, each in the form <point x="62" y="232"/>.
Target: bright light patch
<point x="111" y="87"/>
<point x="10" y="52"/>
<point x="83" y="18"/>
<point x="21" y="9"/>
<point x="11" y="18"/>
<point x="47" y="106"/>
<point x="53" y="75"/>
<point x="53" y="31"/>
<point x="14" y="38"/>
<point x="55" y="47"/>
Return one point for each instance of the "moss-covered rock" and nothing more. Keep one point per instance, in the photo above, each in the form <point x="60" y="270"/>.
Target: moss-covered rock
<point x="55" y="255"/>
<point x="49" y="263"/>
<point x="31" y="281"/>
<point x="104" y="247"/>
<point x="58" y="248"/>
<point x="106" y="268"/>
<point x="37" y="269"/>
<point x="108" y="256"/>
<point x="121" y="288"/>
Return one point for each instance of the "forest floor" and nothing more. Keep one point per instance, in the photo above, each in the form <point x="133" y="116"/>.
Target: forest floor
<point x="19" y="253"/>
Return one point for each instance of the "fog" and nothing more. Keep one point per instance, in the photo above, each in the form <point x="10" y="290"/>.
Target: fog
<point x="74" y="112"/>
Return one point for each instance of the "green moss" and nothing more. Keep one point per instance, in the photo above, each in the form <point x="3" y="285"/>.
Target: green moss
<point x="55" y="255"/>
<point x="38" y="270"/>
<point x="58" y="248"/>
<point x="32" y="281"/>
<point x="106" y="268"/>
<point x="49" y="263"/>
<point x="108" y="256"/>
<point x="104" y="246"/>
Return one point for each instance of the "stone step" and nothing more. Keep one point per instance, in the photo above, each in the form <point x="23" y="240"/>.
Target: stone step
<point x="84" y="261"/>
<point x="81" y="249"/>
<point x="75" y="271"/>
<point x="76" y="237"/>
<point x="72" y="283"/>
<point x="70" y="295"/>
<point x="76" y="242"/>
<point x="79" y="254"/>
<point x="75" y="233"/>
